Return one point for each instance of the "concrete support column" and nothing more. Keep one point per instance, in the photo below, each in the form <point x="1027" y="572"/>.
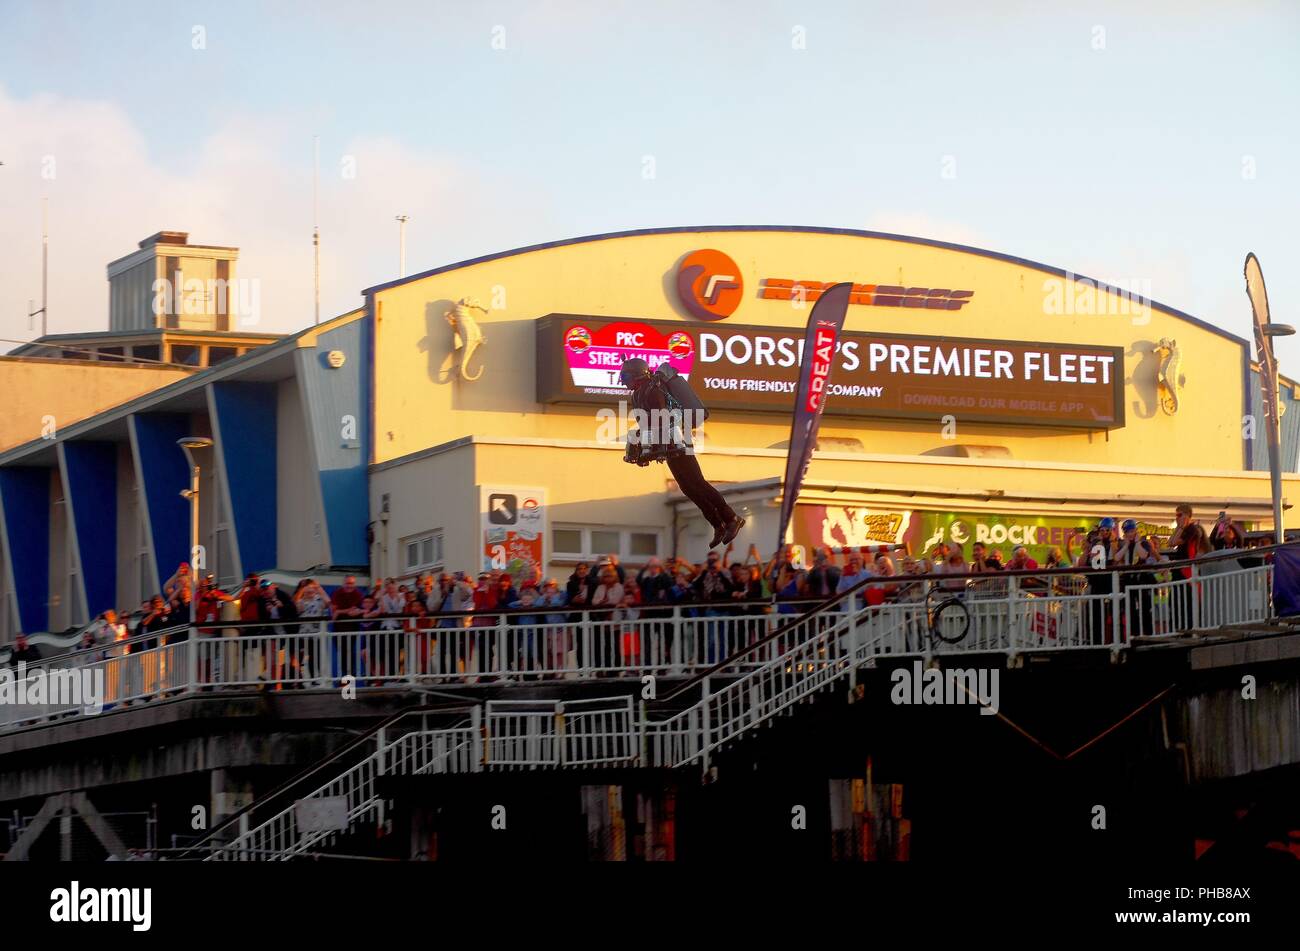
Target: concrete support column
<point x="229" y="794"/>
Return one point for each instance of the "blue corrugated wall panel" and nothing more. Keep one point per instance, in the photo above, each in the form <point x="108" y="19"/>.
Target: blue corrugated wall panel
<point x="92" y="489"/>
<point x="164" y="473"/>
<point x="246" y="415"/>
<point x="25" y="494"/>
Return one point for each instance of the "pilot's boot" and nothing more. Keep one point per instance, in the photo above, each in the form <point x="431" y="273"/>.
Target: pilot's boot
<point x="718" y="532"/>
<point x="733" y="529"/>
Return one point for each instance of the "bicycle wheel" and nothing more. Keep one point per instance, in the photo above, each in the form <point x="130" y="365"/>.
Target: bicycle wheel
<point x="938" y="602"/>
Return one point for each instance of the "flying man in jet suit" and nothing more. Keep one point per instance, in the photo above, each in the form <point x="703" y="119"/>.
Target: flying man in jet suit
<point x="670" y="409"/>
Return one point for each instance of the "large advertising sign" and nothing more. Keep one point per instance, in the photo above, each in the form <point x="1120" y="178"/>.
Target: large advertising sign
<point x="848" y="526"/>
<point x="835" y="526"/>
<point x="514" y="529"/>
<point x="1038" y="533"/>
<point x="594" y="352"/>
<point x="890" y="376"/>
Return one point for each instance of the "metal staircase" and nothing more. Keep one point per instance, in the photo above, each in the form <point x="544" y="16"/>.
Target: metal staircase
<point x="810" y="658"/>
<point x="798" y="660"/>
<point x="499" y="735"/>
<point x="768" y="678"/>
<point x="417" y="752"/>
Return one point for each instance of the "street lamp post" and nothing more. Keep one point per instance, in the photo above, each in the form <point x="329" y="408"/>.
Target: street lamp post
<point x="1265" y="331"/>
<point x="1273" y="410"/>
<point x="190" y="445"/>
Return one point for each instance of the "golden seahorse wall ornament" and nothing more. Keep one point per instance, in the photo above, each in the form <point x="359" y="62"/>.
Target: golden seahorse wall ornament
<point x="1169" y="379"/>
<point x="466" y="335"/>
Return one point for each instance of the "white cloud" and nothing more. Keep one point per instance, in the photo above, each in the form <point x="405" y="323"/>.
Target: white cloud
<point x="108" y="192"/>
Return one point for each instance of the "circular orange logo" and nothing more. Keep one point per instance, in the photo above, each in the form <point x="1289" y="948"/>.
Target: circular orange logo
<point x="709" y="284"/>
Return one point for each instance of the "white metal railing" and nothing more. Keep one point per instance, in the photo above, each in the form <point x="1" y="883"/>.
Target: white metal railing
<point x="1008" y="614"/>
<point x="806" y="665"/>
<point x="539" y="733"/>
<point x="1203" y="602"/>
<point x="606" y="731"/>
<point x="818" y="650"/>
<point x="510" y="734"/>
<point x="117" y="681"/>
<point x="418" y="752"/>
<point x="1013" y="620"/>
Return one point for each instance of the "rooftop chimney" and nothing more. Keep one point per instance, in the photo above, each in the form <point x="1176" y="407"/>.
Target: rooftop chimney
<point x="165" y="237"/>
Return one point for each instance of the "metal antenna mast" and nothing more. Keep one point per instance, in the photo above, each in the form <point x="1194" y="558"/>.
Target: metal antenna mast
<point x="45" y="268"/>
<point x="401" y="244"/>
<point x="315" y="216"/>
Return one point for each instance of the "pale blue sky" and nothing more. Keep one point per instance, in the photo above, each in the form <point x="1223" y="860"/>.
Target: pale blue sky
<point x="1125" y="163"/>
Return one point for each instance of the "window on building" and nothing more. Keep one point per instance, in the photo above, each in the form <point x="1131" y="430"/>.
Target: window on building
<point x="76" y="354"/>
<point x="580" y="541"/>
<point x="566" y="540"/>
<point x="111" y="353"/>
<point x="145" y="352"/>
<point x="220" y="355"/>
<point x="185" y="354"/>
<point x="604" y="541"/>
<point x="423" y="552"/>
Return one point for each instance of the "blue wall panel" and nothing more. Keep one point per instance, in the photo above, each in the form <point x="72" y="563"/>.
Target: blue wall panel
<point x="25" y="494"/>
<point x="92" y="489"/>
<point x="331" y="394"/>
<point x="164" y="473"/>
<point x="246" y="414"/>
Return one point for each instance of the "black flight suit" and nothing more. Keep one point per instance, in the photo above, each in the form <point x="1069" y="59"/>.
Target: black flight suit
<point x="651" y="395"/>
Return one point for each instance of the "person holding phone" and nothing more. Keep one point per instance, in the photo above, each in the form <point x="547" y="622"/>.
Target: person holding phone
<point x="1226" y="533"/>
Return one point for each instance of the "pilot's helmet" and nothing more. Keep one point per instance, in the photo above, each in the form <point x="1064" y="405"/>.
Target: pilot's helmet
<point x="634" y="372"/>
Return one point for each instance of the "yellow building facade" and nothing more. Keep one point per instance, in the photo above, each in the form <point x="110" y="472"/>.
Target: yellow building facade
<point x="1157" y="407"/>
<point x="42" y="395"/>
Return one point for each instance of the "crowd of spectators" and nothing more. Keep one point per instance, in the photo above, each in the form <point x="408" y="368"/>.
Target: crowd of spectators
<point x="166" y="617"/>
<point x="607" y="589"/>
<point x="1109" y="544"/>
<point x="260" y="606"/>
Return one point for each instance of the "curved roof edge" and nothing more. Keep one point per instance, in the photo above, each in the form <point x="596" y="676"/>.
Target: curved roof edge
<point x="814" y="229"/>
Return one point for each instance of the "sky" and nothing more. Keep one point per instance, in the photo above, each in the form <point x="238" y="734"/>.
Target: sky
<point x="1151" y="145"/>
